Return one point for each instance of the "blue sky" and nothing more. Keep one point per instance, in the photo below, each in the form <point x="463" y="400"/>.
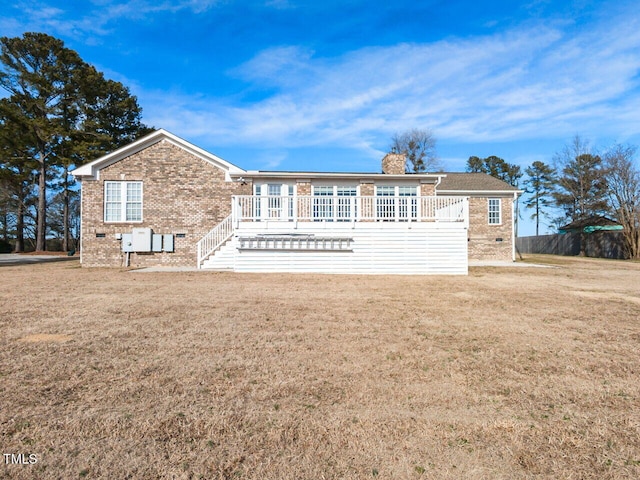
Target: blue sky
<point x="324" y="85"/>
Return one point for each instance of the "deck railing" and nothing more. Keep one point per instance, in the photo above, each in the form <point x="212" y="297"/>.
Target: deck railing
<point x="317" y="208"/>
<point x="214" y="239"/>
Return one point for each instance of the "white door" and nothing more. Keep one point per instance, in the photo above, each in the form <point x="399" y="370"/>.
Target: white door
<point x="276" y="202"/>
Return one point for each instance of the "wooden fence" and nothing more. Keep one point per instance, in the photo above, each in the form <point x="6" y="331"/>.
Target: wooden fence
<point x="598" y="244"/>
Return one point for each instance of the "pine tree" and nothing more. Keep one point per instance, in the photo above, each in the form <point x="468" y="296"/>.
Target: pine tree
<point x="496" y="167"/>
<point x="68" y="112"/>
<point x="540" y="184"/>
<point x="582" y="187"/>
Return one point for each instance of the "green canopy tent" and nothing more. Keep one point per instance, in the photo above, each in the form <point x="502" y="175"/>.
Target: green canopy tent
<point x="595" y="223"/>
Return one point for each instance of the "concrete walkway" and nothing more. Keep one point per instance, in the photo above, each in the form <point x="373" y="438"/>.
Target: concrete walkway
<point x="11" y="259"/>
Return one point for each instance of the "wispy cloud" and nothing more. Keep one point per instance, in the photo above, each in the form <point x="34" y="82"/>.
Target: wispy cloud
<point x="139" y="8"/>
<point x="529" y="82"/>
<point x="288" y="66"/>
<point x="542" y="79"/>
<point x="94" y="18"/>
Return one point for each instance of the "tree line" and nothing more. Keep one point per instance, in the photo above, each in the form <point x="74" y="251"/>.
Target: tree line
<point x="579" y="182"/>
<point x="58" y="113"/>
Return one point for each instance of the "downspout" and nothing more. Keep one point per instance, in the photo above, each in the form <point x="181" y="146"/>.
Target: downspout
<point x="513" y="226"/>
<point x="435" y="187"/>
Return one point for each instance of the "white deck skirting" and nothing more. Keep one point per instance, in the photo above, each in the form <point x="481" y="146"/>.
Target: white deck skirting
<point x="420" y="248"/>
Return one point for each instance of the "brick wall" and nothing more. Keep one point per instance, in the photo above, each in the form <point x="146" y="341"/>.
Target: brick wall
<point x="367" y="189"/>
<point x="427" y="189"/>
<point x="303" y="189"/>
<point x="182" y="194"/>
<point x="483" y="243"/>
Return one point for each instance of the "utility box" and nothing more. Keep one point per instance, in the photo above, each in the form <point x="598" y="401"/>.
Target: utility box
<point x="141" y="240"/>
<point x="167" y="242"/>
<point x="156" y="242"/>
<point x="127" y="242"/>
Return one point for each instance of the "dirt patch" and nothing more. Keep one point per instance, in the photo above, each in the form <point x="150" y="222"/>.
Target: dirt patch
<point x="504" y="374"/>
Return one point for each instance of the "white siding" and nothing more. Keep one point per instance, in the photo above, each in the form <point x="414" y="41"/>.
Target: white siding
<point x="378" y="248"/>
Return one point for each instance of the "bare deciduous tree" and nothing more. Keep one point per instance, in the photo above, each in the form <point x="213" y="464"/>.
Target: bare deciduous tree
<point x="623" y="179"/>
<point x="420" y="148"/>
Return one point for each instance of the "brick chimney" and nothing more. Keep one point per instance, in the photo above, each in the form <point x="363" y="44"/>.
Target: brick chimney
<point x="394" y="163"/>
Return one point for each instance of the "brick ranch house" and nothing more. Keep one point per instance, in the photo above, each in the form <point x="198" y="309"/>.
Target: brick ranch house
<point x="162" y="201"/>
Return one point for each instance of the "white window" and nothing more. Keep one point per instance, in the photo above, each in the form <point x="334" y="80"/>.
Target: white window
<point x="408" y="207"/>
<point x="347" y="206"/>
<point x="495" y="212"/>
<point x="257" y="189"/>
<point x="322" y="203"/>
<point x="393" y="205"/>
<point x="334" y="203"/>
<point x="290" y="191"/>
<point x="122" y="201"/>
<point x="385" y="203"/>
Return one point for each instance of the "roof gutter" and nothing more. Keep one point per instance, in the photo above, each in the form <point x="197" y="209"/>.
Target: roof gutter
<point x="350" y="175"/>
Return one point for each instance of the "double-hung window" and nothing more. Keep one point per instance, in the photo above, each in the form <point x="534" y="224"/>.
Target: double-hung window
<point x="396" y="203"/>
<point x="122" y="201"/>
<point x="408" y="207"/>
<point x="347" y="207"/>
<point x="335" y="203"/>
<point x="322" y="203"/>
<point x="385" y="203"/>
<point x="495" y="212"/>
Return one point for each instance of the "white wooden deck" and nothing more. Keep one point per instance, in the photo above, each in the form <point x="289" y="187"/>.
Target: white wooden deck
<point x="373" y="235"/>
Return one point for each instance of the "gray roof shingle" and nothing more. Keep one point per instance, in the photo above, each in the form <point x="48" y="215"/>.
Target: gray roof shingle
<point x="470" y="182"/>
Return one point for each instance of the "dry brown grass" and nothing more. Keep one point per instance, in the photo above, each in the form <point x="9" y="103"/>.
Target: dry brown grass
<point x="507" y="373"/>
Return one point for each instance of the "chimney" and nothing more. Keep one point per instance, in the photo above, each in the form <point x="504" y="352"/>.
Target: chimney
<point x="394" y="163"/>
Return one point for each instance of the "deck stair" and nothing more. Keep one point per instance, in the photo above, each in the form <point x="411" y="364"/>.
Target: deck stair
<point x="222" y="259"/>
<point x="215" y="239"/>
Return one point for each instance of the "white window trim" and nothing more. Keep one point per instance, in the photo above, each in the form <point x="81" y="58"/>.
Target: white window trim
<point x="499" y="222"/>
<point x="123" y="201"/>
<point x="262" y="189"/>
<point x="396" y="190"/>
<point x="335" y="190"/>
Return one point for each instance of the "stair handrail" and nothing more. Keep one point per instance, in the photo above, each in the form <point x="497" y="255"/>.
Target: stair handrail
<point x="214" y="239"/>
